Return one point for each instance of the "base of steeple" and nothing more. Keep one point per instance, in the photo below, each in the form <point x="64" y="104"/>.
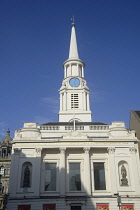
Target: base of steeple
<point x="64" y="116"/>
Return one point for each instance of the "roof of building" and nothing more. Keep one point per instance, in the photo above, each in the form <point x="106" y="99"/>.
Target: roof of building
<point x="7" y="139"/>
<point x="71" y="123"/>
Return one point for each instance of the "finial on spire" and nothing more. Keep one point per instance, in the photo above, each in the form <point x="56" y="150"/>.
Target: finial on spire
<point x="73" y="23"/>
<point x="8" y="132"/>
<point x="73" y="52"/>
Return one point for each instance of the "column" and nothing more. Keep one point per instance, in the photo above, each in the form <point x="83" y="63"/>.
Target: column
<point x="37" y="170"/>
<point x="62" y="171"/>
<point x="87" y="171"/>
<point x="64" y="101"/>
<point x="65" y="72"/>
<point x="14" y="172"/>
<point x="85" y="108"/>
<point x="78" y="70"/>
<point x="82" y="71"/>
<point x="112" y="168"/>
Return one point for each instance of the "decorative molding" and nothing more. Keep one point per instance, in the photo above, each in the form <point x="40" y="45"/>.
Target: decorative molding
<point x="111" y="150"/>
<point x="18" y="134"/>
<point x="25" y="189"/>
<point x="17" y="151"/>
<point x="86" y="150"/>
<point x="132" y="150"/>
<point x="30" y="125"/>
<point x="38" y="150"/>
<point x="74" y="135"/>
<point x="62" y="149"/>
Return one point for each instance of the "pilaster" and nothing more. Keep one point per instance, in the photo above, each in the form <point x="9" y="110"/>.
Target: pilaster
<point x="37" y="168"/>
<point x="84" y="101"/>
<point x="61" y="102"/>
<point x="112" y="169"/>
<point x="62" y="171"/>
<point x="87" y="175"/>
<point x="88" y="105"/>
<point x="135" y="168"/>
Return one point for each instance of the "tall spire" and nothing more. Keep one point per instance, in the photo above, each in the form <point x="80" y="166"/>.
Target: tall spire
<point x="74" y="93"/>
<point x="73" y="52"/>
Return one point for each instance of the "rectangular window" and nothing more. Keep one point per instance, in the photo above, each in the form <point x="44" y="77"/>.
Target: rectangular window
<point x="74" y="101"/>
<point x="74" y="177"/>
<point x="24" y="207"/>
<point x="49" y="207"/>
<point x="102" y="206"/>
<point x="2" y="170"/>
<point x="75" y="207"/>
<point x="50" y="176"/>
<point x="99" y="176"/>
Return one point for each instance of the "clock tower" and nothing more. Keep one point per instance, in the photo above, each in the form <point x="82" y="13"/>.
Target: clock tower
<point x="74" y="93"/>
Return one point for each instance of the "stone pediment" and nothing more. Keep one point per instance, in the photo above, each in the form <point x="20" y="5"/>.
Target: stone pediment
<point x="74" y="135"/>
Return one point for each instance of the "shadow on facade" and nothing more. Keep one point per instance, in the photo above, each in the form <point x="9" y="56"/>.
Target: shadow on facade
<point x="41" y="183"/>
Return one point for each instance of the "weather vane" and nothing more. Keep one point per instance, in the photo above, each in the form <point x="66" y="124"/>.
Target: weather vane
<point x="73" y="19"/>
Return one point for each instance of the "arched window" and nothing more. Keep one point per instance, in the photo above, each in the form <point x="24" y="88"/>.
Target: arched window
<point x="26" y="175"/>
<point x="3" y="153"/>
<point x="9" y="151"/>
<point x="123" y="173"/>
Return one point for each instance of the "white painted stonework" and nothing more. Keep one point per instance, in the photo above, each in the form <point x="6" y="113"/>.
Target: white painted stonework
<point x="88" y="146"/>
<point x="74" y="68"/>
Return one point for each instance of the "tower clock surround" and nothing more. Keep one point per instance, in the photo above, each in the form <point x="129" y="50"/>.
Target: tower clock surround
<point x="74" y="82"/>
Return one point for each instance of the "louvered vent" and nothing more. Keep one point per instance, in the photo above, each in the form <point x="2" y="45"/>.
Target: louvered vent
<point x="74" y="101"/>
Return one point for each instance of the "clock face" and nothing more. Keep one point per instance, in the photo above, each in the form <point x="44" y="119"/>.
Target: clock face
<point x="74" y="82"/>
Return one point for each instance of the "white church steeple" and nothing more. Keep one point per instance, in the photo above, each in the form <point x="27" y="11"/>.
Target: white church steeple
<point x="74" y="93"/>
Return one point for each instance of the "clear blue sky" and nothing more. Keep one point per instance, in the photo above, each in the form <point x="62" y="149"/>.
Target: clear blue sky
<point x="34" y="43"/>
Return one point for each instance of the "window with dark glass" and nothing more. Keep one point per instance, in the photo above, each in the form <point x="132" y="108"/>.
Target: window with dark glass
<point x="75" y="207"/>
<point x="49" y="207"/>
<point x="74" y="177"/>
<point x="50" y="177"/>
<point x="3" y="153"/>
<point x="99" y="176"/>
<point x="24" y="207"/>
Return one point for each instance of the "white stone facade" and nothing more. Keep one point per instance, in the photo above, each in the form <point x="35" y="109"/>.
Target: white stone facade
<point x="112" y="145"/>
<point x="74" y="164"/>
